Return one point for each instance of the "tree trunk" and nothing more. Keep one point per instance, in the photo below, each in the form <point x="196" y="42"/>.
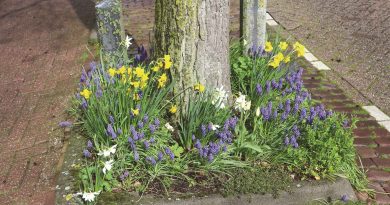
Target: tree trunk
<point x="254" y="24"/>
<point x="196" y="35"/>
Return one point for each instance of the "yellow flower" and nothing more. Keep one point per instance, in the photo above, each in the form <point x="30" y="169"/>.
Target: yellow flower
<point x="167" y="62"/>
<point x="86" y="93"/>
<point x="173" y="109"/>
<point x="286" y="59"/>
<point x="135" y="112"/>
<point x="283" y="45"/>
<point x="144" y="77"/>
<point x="121" y="70"/>
<point x="160" y="64"/>
<point x="112" y="72"/>
<point x="162" y="80"/>
<point x="268" y="47"/>
<point x="299" y="48"/>
<point x="274" y="64"/>
<point x="135" y="84"/>
<point x="155" y="68"/>
<point x="139" y="72"/>
<point x="199" y="87"/>
<point x="279" y="57"/>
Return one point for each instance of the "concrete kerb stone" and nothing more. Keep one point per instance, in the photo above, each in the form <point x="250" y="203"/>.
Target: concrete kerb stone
<point x="375" y="112"/>
<point x="319" y="65"/>
<point x="304" y="193"/>
<point x="272" y="22"/>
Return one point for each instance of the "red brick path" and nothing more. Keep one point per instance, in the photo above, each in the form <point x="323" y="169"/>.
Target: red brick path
<point x="40" y="42"/>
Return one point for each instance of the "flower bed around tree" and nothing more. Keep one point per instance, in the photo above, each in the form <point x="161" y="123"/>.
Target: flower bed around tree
<point x="141" y="139"/>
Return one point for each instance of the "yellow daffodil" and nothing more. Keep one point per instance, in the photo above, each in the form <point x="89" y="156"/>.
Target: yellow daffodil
<point x="279" y="57"/>
<point x="139" y="72"/>
<point x="121" y="70"/>
<point x="162" y="80"/>
<point x="135" y="112"/>
<point x="155" y="68"/>
<point x="112" y="72"/>
<point x="173" y="109"/>
<point x="274" y="64"/>
<point x="299" y="48"/>
<point x="86" y="93"/>
<point x="286" y="59"/>
<point x="167" y="62"/>
<point x="268" y="47"/>
<point x="135" y="84"/>
<point x="144" y="77"/>
<point x="160" y="64"/>
<point x="199" y="87"/>
<point x="283" y="45"/>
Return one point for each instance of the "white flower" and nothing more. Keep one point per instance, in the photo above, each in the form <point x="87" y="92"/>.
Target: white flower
<point x="108" y="152"/>
<point x="169" y="127"/>
<point x="219" y="98"/>
<point x="127" y="41"/>
<point x="258" y="111"/>
<point x="89" y="196"/>
<point x="214" y="127"/>
<point x="107" y="166"/>
<point x="241" y="104"/>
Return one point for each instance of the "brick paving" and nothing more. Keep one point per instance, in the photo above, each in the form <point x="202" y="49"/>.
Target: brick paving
<point x="41" y="42"/>
<point x="350" y="36"/>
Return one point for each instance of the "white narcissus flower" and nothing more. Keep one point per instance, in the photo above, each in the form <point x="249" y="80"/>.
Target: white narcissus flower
<point x="214" y="127"/>
<point x="107" y="166"/>
<point x="169" y="127"/>
<point x="89" y="196"/>
<point x="127" y="41"/>
<point x="257" y="111"/>
<point x="241" y="104"/>
<point x="108" y="152"/>
<point x="219" y="98"/>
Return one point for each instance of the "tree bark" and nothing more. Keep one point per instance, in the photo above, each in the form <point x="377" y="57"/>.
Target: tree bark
<point x="196" y="35"/>
<point x="254" y="24"/>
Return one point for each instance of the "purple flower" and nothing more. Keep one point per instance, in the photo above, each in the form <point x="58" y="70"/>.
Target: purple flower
<point x="193" y="137"/>
<point x="224" y="148"/>
<point x="89" y="144"/>
<point x="84" y="104"/>
<point x="284" y="116"/>
<point x="145" y="118"/>
<point x="119" y="131"/>
<point x="146" y="144"/>
<point x="274" y="84"/>
<point x="140" y="124"/>
<point x="280" y="83"/>
<point x="268" y="86"/>
<point x="87" y="154"/>
<point x="303" y="114"/>
<point x="123" y="176"/>
<point x="99" y="93"/>
<point x="136" y="156"/>
<point x="169" y="153"/>
<point x="151" y="160"/>
<point x="157" y="122"/>
<point x="141" y="135"/>
<point x="111" y="119"/>
<point x="198" y="145"/>
<point x="110" y="131"/>
<point x="344" y="198"/>
<point x="152" y="128"/>
<point x="65" y="124"/>
<point x="83" y="77"/>
<point x="203" y="130"/>
<point x="140" y="94"/>
<point x="259" y="89"/>
<point x="132" y="143"/>
<point x="345" y="123"/>
<point x="160" y="156"/>
<point x="210" y="157"/>
<point x="152" y="140"/>
<point x="281" y="106"/>
<point x="286" y="141"/>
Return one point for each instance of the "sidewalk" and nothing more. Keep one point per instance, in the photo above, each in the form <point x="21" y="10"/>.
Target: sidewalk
<point x="40" y="42"/>
<point x="351" y="37"/>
